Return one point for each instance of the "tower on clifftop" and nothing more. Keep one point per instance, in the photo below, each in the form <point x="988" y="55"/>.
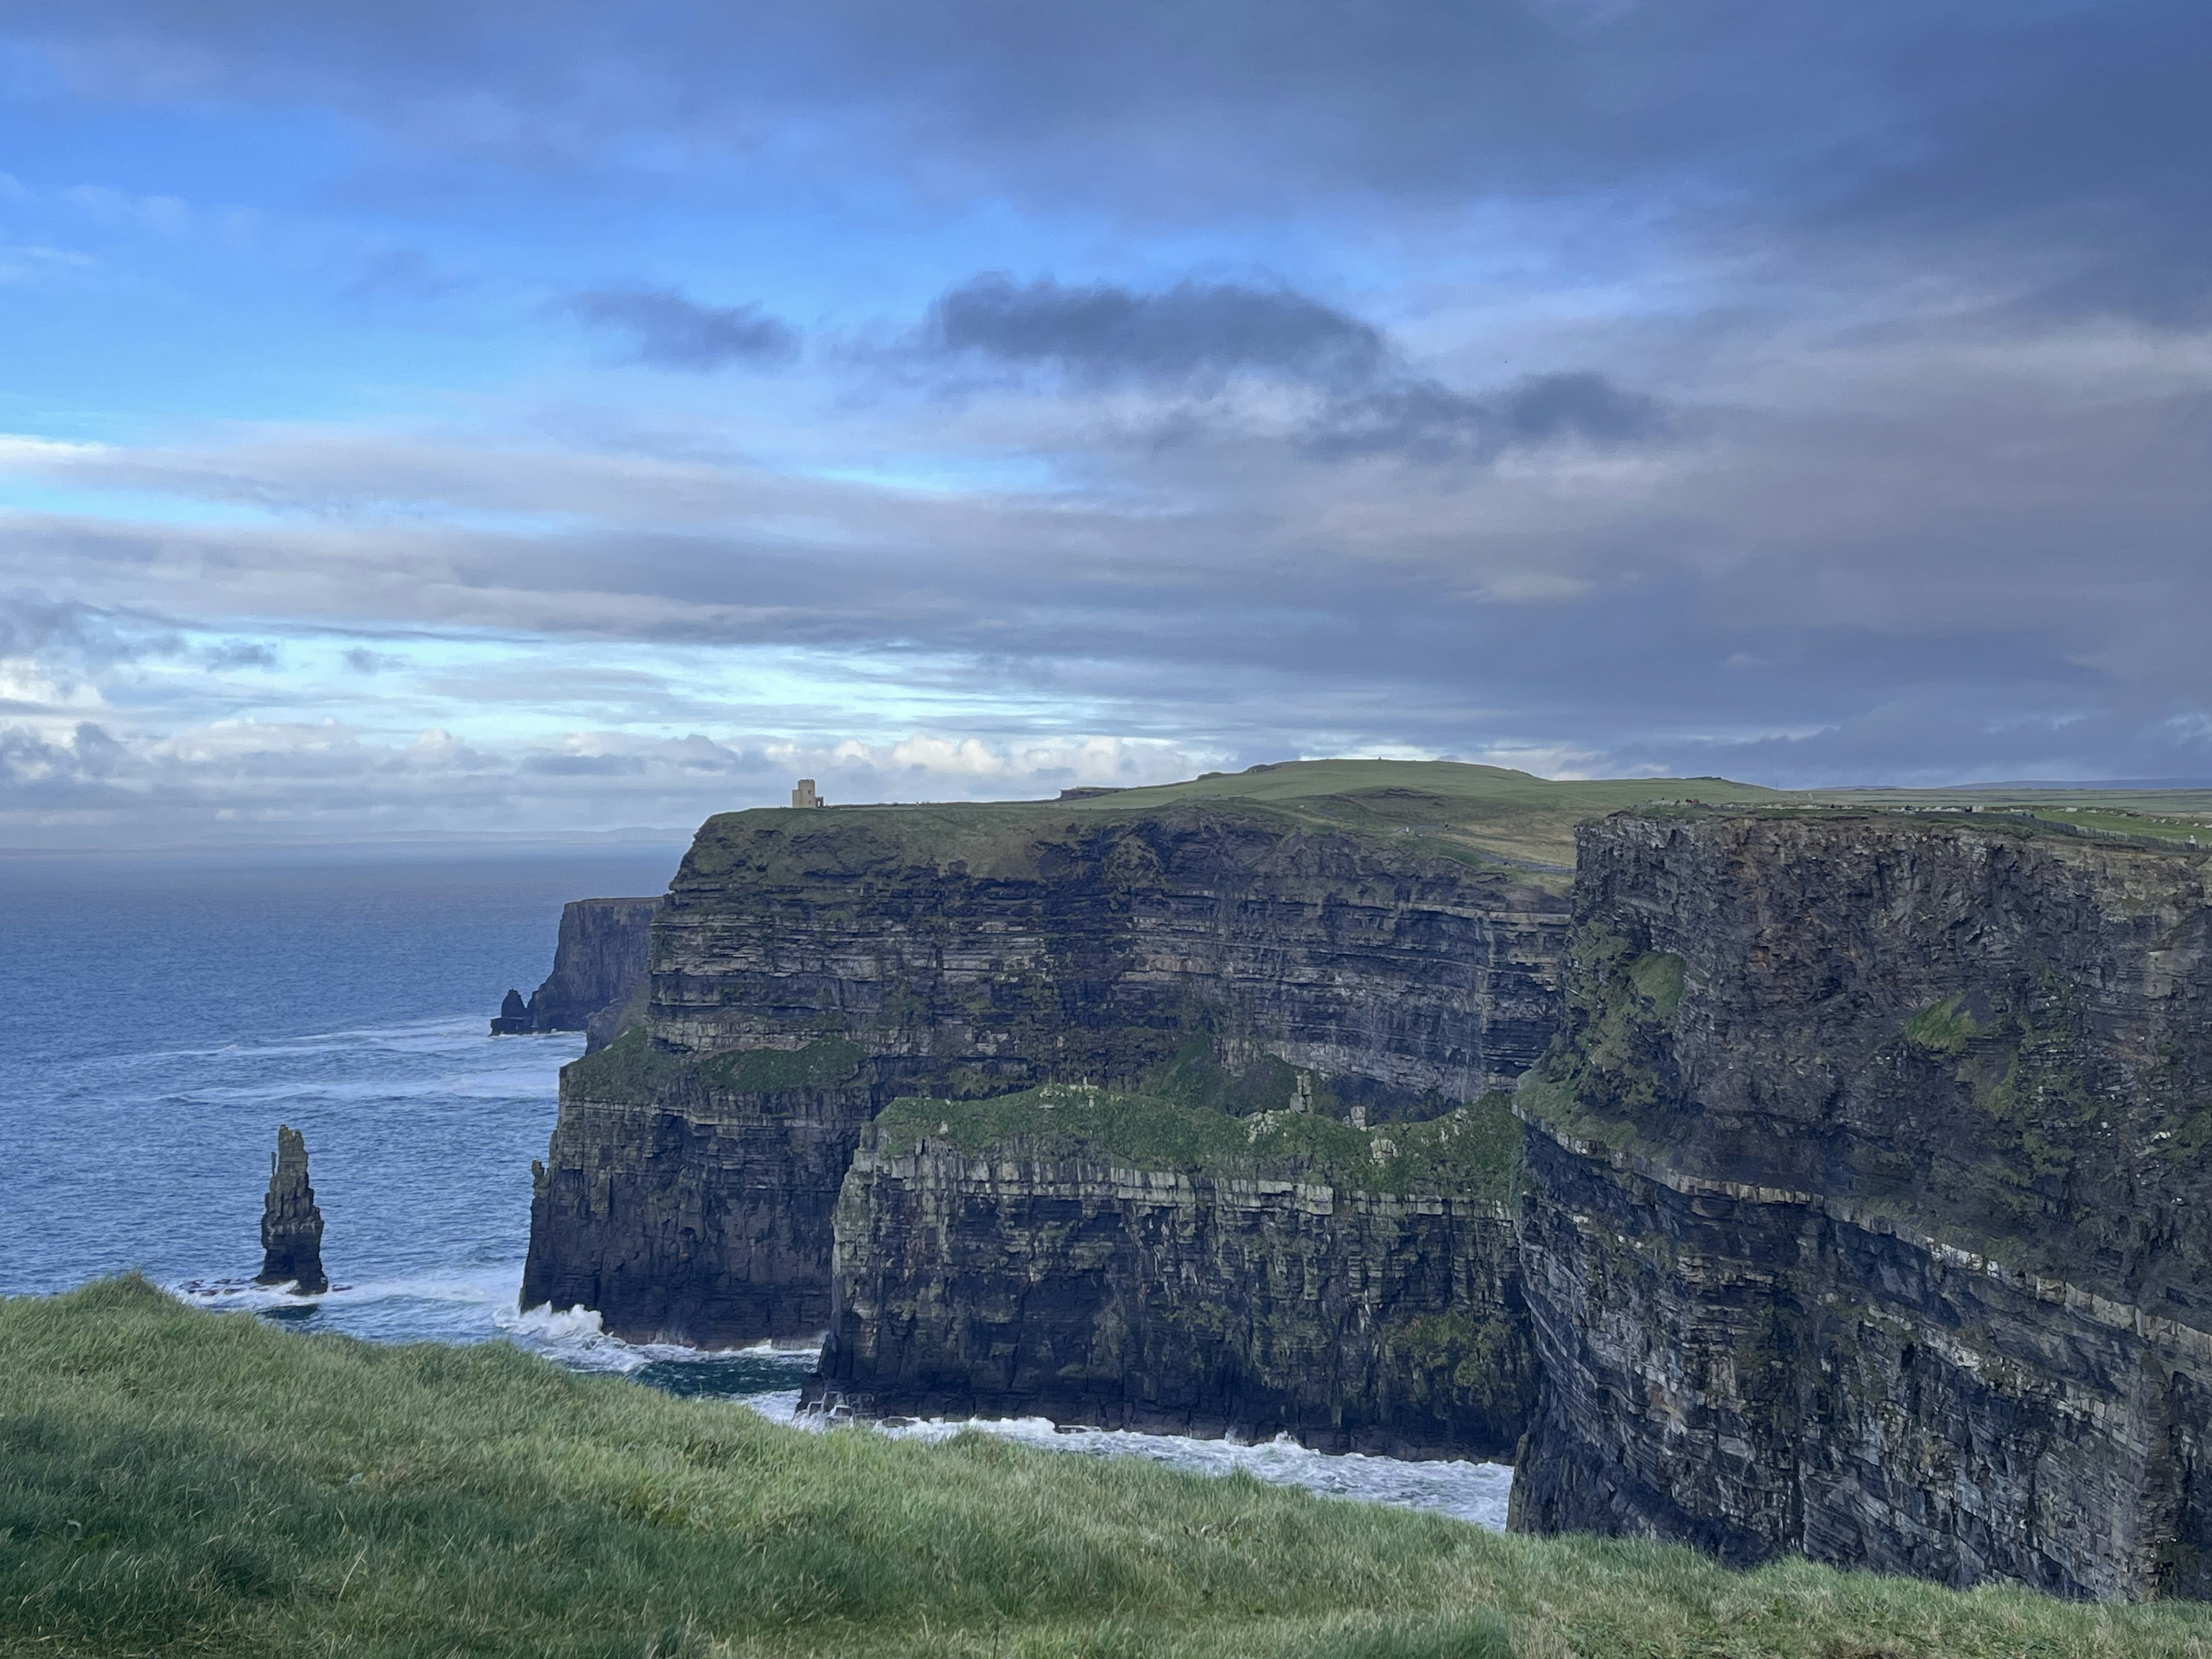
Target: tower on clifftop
<point x="805" y="795"/>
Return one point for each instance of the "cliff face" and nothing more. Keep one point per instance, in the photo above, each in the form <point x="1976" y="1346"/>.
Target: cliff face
<point x="597" y="965"/>
<point x="1123" y="1290"/>
<point x="969" y="952"/>
<point x="1869" y="1180"/>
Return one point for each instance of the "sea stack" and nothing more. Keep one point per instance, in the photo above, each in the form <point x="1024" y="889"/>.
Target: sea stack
<point x="514" y="1017"/>
<point x="291" y="1225"/>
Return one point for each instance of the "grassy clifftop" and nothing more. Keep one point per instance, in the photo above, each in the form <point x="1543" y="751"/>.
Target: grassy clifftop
<point x="181" y="1482"/>
<point x="1476" y="814"/>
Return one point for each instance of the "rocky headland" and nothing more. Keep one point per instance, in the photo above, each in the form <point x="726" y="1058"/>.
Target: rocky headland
<point x="809" y="968"/>
<point x="598" y="979"/>
<point x="1806" y="1180"/>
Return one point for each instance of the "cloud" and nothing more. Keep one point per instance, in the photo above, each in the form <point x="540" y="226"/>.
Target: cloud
<point x="362" y="660"/>
<point x="241" y="653"/>
<point x="256" y="780"/>
<point x="1102" y="333"/>
<point x="667" y="330"/>
<point x="1813" y="393"/>
<point x="81" y="637"/>
<point x="1424" y="420"/>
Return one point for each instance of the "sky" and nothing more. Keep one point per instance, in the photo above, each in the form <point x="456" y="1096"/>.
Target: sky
<point x="424" y="420"/>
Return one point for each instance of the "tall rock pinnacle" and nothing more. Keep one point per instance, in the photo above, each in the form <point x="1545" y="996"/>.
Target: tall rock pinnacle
<point x="291" y="1225"/>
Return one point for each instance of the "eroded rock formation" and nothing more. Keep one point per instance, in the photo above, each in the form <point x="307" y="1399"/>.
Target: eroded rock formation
<point x="1198" y="1295"/>
<point x="809" y="968"/>
<point x="598" y="980"/>
<point x="513" y="1017"/>
<point x="291" y="1225"/>
<point x="1869" y="1192"/>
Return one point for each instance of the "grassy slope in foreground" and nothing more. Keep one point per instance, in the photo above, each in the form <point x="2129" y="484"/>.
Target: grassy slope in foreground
<point x="174" y="1481"/>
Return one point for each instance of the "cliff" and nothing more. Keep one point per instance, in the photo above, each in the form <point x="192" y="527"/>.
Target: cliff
<point x="1867" y="1180"/>
<point x="598" y="965"/>
<point x="291" y="1223"/>
<point x="1132" y="1262"/>
<point x="972" y="950"/>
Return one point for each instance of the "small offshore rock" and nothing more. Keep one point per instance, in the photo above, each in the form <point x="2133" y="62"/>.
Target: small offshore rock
<point x="514" y="1017"/>
<point x="291" y="1225"/>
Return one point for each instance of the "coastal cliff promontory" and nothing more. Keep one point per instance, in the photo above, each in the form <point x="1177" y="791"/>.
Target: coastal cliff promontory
<point x="597" y="983"/>
<point x="808" y="968"/>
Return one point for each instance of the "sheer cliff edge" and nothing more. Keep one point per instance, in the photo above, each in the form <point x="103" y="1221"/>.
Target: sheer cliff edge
<point x="1868" y="1182"/>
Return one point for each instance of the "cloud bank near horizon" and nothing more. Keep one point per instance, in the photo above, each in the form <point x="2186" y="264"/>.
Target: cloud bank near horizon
<point x="469" y="418"/>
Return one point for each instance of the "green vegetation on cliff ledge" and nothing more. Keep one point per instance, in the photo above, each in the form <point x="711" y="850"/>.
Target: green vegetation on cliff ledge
<point x="1471" y="1153"/>
<point x="819" y="1064"/>
<point x="631" y="1069"/>
<point x="177" y="1482"/>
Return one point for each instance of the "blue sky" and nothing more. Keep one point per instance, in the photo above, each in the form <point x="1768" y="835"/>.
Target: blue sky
<point x="424" y="419"/>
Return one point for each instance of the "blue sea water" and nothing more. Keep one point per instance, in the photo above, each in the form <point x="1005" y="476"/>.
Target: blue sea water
<point x="159" y="1016"/>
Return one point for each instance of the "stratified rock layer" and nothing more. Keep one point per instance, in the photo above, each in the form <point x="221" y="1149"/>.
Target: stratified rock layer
<point x="291" y="1225"/>
<point x="599" y="968"/>
<point x="1201" y="1303"/>
<point x="971" y="951"/>
<point x="1869" y="1182"/>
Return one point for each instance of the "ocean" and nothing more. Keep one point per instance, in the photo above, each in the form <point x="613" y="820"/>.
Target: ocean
<point x="161" y="1016"/>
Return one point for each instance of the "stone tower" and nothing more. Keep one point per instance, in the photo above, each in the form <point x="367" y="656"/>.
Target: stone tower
<point x="291" y="1225"/>
<point x="805" y="795"/>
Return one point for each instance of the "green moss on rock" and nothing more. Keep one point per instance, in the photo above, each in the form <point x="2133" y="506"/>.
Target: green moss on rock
<point x="1472" y="1153"/>
<point x="630" y="1068"/>
<point x="819" y="1064"/>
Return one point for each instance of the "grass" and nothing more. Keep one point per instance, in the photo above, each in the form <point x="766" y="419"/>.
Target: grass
<point x="1472" y="1152"/>
<point x="820" y="1065"/>
<point x="180" y="1482"/>
<point x="1483" y="815"/>
<point x="1472" y="814"/>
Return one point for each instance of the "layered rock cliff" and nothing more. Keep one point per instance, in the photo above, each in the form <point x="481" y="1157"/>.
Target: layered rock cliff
<point x="291" y="1222"/>
<point x="1129" y="1263"/>
<point x="968" y="951"/>
<point x="1868" y="1184"/>
<point x="599" y="977"/>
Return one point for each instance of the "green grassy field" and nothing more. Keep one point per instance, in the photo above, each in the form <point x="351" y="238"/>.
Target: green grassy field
<point x="178" y="1482"/>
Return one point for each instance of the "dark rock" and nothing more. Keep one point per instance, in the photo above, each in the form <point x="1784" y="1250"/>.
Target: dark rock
<point x="599" y="968"/>
<point x="291" y="1225"/>
<point x="1188" y="1301"/>
<point x="975" y="949"/>
<point x="1867" y="1182"/>
<point x="513" y="1017"/>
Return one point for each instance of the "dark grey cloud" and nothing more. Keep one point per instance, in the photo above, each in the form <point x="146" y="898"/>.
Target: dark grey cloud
<point x="84" y="636"/>
<point x="241" y="653"/>
<point x="668" y="331"/>
<point x="1103" y="332"/>
<point x="1424" y="420"/>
